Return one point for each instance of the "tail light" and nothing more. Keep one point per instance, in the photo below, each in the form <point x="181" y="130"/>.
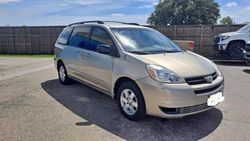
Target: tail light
<point x="191" y="45"/>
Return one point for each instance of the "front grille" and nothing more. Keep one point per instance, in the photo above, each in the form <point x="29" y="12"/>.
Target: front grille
<point x="184" y="110"/>
<point x="203" y="91"/>
<point x="200" y="80"/>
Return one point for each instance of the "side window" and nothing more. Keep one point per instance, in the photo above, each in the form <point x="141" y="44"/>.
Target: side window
<point x="80" y="37"/>
<point x="64" y="36"/>
<point x="99" y="36"/>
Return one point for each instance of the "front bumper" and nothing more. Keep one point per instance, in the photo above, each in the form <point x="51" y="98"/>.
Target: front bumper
<point x="177" y="100"/>
<point x="219" y="45"/>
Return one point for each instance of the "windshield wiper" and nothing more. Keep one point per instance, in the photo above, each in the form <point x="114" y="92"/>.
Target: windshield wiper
<point x="171" y="51"/>
<point x="164" y="51"/>
<point x="138" y="52"/>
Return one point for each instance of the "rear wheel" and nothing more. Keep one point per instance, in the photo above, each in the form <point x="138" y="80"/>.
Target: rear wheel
<point x="131" y="101"/>
<point x="62" y="74"/>
<point x="235" y="50"/>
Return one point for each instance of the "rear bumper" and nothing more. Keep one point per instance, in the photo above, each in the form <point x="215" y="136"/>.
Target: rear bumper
<point x="177" y="100"/>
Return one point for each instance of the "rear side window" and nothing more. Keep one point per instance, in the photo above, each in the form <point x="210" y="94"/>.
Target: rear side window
<point x="99" y="36"/>
<point x="64" y="36"/>
<point x="80" y="37"/>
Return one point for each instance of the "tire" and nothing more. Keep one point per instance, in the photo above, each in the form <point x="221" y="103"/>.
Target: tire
<point x="134" y="99"/>
<point x="247" y="61"/>
<point x="235" y="51"/>
<point x="62" y="75"/>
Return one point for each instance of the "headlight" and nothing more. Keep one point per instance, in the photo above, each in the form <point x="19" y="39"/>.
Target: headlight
<point x="224" y="38"/>
<point x="216" y="68"/>
<point x="164" y="75"/>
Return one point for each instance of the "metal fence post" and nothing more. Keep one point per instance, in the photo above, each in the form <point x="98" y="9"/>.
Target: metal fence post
<point x="175" y="32"/>
<point x="12" y="42"/>
<point x="201" y="38"/>
<point x="29" y="40"/>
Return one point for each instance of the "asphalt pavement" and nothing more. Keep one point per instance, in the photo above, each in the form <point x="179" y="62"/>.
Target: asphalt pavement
<point x="35" y="106"/>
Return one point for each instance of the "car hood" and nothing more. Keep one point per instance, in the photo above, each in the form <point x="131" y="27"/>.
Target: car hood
<point x="185" y="64"/>
<point x="230" y="33"/>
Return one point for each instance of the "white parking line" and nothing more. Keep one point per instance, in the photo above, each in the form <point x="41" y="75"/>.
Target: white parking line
<point x="20" y="73"/>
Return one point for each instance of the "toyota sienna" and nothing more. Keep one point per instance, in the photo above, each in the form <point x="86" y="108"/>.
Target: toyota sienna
<point x="144" y="71"/>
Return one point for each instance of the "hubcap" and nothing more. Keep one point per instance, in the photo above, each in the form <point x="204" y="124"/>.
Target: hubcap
<point x="129" y="102"/>
<point x="62" y="73"/>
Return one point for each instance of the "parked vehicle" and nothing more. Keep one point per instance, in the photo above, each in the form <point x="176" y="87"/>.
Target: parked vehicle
<point x="139" y="67"/>
<point x="247" y="53"/>
<point x="184" y="44"/>
<point x="233" y="43"/>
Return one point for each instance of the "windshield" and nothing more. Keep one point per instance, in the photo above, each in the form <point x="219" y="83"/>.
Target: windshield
<point x="144" y="41"/>
<point x="244" y="28"/>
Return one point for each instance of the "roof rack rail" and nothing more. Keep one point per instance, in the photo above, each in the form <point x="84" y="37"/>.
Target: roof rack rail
<point x="99" y="22"/>
<point x="122" y="22"/>
<point x="102" y="22"/>
<point x="133" y="23"/>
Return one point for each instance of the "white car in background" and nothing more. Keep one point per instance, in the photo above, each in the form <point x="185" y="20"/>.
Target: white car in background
<point x="233" y="43"/>
<point x="247" y="53"/>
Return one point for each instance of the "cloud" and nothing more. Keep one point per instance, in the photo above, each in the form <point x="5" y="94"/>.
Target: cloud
<point x="117" y="14"/>
<point x="146" y="6"/>
<point x="60" y="20"/>
<point x="245" y="10"/>
<point x="232" y="4"/>
<point x="87" y="2"/>
<point x="8" y="1"/>
<point x="37" y="12"/>
<point x="240" y="14"/>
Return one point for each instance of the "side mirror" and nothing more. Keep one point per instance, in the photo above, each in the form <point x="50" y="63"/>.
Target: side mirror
<point x="104" y="49"/>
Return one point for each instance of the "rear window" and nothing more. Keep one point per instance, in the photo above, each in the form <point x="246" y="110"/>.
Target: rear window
<point x="64" y="36"/>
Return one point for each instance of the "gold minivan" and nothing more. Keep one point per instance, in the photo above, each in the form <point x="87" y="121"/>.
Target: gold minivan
<point x="144" y="71"/>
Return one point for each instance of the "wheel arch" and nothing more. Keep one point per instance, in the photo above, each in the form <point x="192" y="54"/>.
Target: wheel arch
<point x="234" y="41"/>
<point x="120" y="81"/>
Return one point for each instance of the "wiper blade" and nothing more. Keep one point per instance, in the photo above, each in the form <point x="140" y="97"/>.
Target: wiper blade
<point x="164" y="51"/>
<point x="171" y="51"/>
<point x="138" y="52"/>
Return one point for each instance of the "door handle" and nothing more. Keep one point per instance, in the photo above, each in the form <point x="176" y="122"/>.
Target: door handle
<point x="82" y="55"/>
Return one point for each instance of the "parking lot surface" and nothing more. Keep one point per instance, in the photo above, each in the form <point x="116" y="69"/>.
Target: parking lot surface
<point x="35" y="106"/>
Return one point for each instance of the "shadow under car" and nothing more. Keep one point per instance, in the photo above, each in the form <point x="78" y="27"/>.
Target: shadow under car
<point x="101" y="110"/>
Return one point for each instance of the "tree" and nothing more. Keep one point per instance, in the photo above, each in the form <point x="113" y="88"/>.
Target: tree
<point x="185" y="12"/>
<point x="226" y="20"/>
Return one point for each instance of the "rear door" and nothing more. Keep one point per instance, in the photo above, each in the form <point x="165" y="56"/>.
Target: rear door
<point x="62" y="47"/>
<point x="99" y="66"/>
<point x="76" y="54"/>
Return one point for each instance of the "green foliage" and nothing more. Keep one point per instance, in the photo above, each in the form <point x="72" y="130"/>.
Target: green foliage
<point x="226" y="20"/>
<point x="185" y="12"/>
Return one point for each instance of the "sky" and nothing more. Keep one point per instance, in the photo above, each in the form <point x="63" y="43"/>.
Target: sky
<point x="63" y="12"/>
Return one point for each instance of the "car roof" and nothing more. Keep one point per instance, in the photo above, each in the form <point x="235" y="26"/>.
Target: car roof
<point x="109" y="24"/>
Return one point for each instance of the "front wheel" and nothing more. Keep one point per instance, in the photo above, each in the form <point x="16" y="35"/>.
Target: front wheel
<point x="235" y="50"/>
<point x="247" y="62"/>
<point x="131" y="102"/>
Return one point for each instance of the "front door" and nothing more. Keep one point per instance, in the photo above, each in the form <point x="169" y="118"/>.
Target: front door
<point x="99" y="66"/>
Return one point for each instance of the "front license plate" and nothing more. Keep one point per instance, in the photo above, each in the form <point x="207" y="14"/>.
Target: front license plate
<point x="214" y="99"/>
